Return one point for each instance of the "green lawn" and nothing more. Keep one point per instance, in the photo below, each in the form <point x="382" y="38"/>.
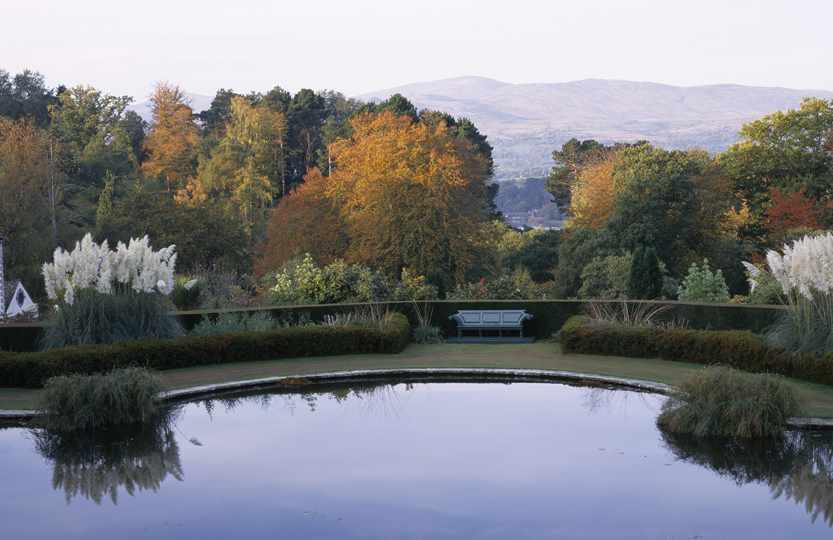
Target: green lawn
<point x="817" y="400"/>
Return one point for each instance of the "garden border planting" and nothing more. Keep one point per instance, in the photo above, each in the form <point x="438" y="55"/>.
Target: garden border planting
<point x="549" y="316"/>
<point x="739" y="349"/>
<point x="31" y="370"/>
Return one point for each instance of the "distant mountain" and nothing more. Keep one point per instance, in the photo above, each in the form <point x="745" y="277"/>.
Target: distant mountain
<point x="199" y="103"/>
<point x="526" y="122"/>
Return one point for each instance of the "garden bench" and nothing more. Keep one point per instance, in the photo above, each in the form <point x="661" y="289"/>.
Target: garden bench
<point x="491" y="320"/>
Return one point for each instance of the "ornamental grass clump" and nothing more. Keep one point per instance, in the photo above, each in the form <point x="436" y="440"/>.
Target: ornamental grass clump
<point x="88" y="402"/>
<point x="805" y="274"/>
<point x="228" y="323"/>
<point x="106" y="296"/>
<point x="724" y="402"/>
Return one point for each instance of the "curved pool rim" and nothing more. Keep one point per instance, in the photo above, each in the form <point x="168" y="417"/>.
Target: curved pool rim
<point x="439" y="373"/>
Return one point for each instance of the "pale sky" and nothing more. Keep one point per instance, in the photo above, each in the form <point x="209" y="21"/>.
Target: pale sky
<point x="357" y="46"/>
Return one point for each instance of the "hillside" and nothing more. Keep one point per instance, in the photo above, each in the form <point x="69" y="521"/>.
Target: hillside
<point x="525" y="122"/>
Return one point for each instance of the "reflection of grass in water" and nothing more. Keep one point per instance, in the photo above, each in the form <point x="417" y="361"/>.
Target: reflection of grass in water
<point x="95" y="465"/>
<point x="797" y="467"/>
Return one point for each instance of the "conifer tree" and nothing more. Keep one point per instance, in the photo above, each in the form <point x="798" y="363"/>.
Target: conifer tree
<point x="645" y="280"/>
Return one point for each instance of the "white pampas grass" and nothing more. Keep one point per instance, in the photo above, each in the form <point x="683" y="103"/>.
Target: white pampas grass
<point x="95" y="266"/>
<point x="805" y="272"/>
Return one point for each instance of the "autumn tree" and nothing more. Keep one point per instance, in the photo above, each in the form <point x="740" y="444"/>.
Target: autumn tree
<point x="246" y="168"/>
<point x="569" y="161"/>
<point x="788" y="150"/>
<point x="305" y="221"/>
<point x="412" y="195"/>
<point x="790" y="212"/>
<point x="593" y="195"/>
<point x="26" y="206"/>
<point x="174" y="138"/>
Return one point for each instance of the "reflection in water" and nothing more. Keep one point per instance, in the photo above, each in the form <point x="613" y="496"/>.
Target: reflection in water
<point x="95" y="465"/>
<point x="377" y="396"/>
<point x="798" y="467"/>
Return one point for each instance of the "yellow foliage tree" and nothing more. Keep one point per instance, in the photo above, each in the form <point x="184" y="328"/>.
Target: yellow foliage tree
<point x="246" y="169"/>
<point x="412" y="195"/>
<point x="173" y="140"/>
<point x="593" y="195"/>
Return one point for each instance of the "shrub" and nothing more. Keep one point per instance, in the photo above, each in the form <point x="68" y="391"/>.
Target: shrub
<point x="95" y="318"/>
<point x="428" y="335"/>
<point x="304" y="282"/>
<point x="87" y="402"/>
<point x="703" y="285"/>
<point x="763" y="287"/>
<point x="31" y="370"/>
<point x="734" y="348"/>
<point x="645" y="279"/>
<point x="227" y="323"/>
<point x="186" y="294"/>
<point x="221" y="288"/>
<point x="606" y="277"/>
<point x="720" y="401"/>
<point x="515" y="286"/>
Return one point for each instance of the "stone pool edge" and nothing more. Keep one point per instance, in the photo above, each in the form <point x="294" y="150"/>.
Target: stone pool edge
<point x="336" y="376"/>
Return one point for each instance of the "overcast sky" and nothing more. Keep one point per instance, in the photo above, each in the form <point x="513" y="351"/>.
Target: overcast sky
<point x="358" y="46"/>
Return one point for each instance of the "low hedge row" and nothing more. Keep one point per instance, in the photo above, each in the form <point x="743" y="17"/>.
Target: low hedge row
<point x="735" y="348"/>
<point x="31" y="370"/>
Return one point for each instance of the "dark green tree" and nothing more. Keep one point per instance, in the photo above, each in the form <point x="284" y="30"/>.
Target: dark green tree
<point x="539" y="257"/>
<point x="26" y="96"/>
<point x="575" y="251"/>
<point x="305" y="116"/>
<point x="645" y="280"/>
<point x="214" y="118"/>
<point x="657" y="205"/>
<point x="399" y="105"/>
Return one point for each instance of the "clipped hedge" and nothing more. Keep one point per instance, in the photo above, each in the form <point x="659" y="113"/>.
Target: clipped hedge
<point x="549" y="315"/>
<point x="31" y="370"/>
<point x="734" y="348"/>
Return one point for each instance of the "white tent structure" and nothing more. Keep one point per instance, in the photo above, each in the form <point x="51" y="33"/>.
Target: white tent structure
<point x="19" y="301"/>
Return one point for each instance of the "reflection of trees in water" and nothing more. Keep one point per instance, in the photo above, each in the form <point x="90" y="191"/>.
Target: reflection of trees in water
<point x="798" y="467"/>
<point x="377" y="396"/>
<point x="598" y="398"/>
<point x="95" y="465"/>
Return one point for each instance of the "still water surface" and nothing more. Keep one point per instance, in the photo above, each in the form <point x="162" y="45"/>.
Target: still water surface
<point x="414" y="460"/>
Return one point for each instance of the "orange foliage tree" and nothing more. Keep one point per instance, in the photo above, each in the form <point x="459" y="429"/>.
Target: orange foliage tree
<point x="790" y="211"/>
<point x="305" y="221"/>
<point x="412" y="194"/>
<point x="173" y="140"/>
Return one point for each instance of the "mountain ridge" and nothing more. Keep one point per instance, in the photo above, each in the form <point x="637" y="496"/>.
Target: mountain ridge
<point x="525" y="122"/>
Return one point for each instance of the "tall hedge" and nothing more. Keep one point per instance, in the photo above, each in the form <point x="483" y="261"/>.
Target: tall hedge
<point x="31" y="370"/>
<point x="734" y="348"/>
